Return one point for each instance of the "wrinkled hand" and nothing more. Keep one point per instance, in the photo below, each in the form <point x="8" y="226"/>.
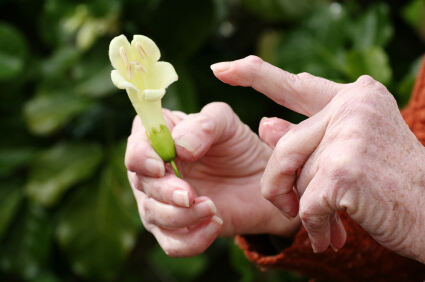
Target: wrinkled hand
<point x="222" y="162"/>
<point x="354" y="152"/>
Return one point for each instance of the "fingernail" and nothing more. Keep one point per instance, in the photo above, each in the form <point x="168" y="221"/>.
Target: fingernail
<point x="334" y="248"/>
<point x="220" y="67"/>
<point x="217" y="219"/>
<point x="181" y="198"/>
<point x="206" y="207"/>
<point x="154" y="167"/>
<point x="314" y="248"/>
<point x="263" y="119"/>
<point x="212" y="228"/>
<point x="188" y="141"/>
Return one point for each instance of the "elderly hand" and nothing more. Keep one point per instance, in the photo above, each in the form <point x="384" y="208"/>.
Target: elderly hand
<point x="222" y="162"/>
<point x="354" y="152"/>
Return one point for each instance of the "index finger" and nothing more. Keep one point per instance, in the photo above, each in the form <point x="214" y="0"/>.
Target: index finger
<point x="140" y="157"/>
<point x="304" y="93"/>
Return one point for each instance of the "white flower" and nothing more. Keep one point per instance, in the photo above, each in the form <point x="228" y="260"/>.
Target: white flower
<point x="138" y="71"/>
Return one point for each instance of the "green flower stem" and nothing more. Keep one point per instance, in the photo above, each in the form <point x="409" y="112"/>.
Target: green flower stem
<point x="176" y="170"/>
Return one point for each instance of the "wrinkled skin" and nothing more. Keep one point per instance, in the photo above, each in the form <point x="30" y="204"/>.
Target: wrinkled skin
<point x="353" y="153"/>
<point x="222" y="162"/>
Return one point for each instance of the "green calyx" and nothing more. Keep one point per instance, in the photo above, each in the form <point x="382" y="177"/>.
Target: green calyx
<point x="162" y="142"/>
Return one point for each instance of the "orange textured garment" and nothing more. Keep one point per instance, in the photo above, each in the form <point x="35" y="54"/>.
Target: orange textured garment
<point x="362" y="258"/>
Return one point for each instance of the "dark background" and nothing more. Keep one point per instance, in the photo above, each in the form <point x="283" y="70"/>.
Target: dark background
<point x="66" y="209"/>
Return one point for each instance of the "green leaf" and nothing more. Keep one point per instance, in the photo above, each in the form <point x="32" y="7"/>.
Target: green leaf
<point x="12" y="52"/>
<point x="51" y="21"/>
<point x="58" y="168"/>
<point x="241" y="264"/>
<point x="60" y="61"/>
<point x="277" y="10"/>
<point x="179" y="41"/>
<point x="373" y="28"/>
<point x="97" y="85"/>
<point x="267" y="46"/>
<point x="180" y="269"/>
<point x="97" y="226"/>
<point x="13" y="158"/>
<point x="26" y="250"/>
<point x="405" y="86"/>
<point x="414" y="12"/>
<point x="317" y="46"/>
<point x="372" y="61"/>
<point x="324" y="47"/>
<point x="182" y="95"/>
<point x="10" y="198"/>
<point x="49" y="111"/>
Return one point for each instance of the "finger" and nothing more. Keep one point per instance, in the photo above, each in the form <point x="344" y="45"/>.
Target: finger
<point x="303" y="93"/>
<point x="272" y="129"/>
<point x="291" y="152"/>
<point x="140" y="157"/>
<point x="172" y="217"/>
<point x="338" y="233"/>
<point x="173" y="117"/>
<point x="195" y="134"/>
<point x="316" y="213"/>
<point x="140" y="197"/>
<point x="190" y="241"/>
<point x="168" y="189"/>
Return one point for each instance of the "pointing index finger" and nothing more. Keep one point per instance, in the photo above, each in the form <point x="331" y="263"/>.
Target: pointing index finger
<point x="303" y="93"/>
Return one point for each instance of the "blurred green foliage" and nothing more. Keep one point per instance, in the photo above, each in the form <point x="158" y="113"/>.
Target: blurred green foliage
<point x="66" y="210"/>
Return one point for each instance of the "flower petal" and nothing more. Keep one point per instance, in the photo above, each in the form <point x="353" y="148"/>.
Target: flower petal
<point x="115" y="55"/>
<point x="149" y="49"/>
<point x="162" y="75"/>
<point x="153" y="94"/>
<point x="119" y="81"/>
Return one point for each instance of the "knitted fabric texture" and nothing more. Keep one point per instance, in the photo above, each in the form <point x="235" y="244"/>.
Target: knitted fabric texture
<point x="362" y="258"/>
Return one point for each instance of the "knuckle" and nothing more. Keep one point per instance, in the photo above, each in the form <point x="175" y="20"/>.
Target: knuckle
<point x="135" y="155"/>
<point x="365" y="80"/>
<point x="304" y="76"/>
<point x="253" y="61"/>
<point x="247" y="70"/>
<point x="372" y="84"/>
<point x="147" y="211"/>
<point x="136" y="182"/>
<point x="130" y="155"/>
<point x="312" y="221"/>
<point x="290" y="164"/>
<point x="345" y="169"/>
<point x="267" y="193"/>
<point x="218" y="107"/>
<point x="129" y="161"/>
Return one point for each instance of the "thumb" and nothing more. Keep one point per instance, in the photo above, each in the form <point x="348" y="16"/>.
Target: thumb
<point x="272" y="129"/>
<point x="195" y="134"/>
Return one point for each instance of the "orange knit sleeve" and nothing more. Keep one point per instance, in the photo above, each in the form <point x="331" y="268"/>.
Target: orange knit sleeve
<point x="362" y="258"/>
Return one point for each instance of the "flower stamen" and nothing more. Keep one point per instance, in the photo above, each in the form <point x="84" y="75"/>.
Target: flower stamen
<point x="124" y="56"/>
<point x="127" y="65"/>
<point x="141" y="51"/>
<point x="138" y="67"/>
